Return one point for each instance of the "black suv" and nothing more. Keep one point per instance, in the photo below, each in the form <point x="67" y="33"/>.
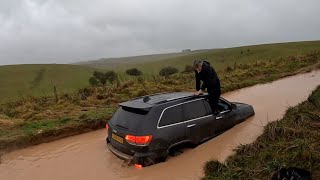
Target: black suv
<point x="144" y="129"/>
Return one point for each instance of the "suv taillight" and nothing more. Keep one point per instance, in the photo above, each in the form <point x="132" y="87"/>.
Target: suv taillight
<point x="138" y="140"/>
<point x="107" y="128"/>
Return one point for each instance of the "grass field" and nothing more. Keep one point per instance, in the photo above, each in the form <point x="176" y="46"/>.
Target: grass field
<point x="114" y="63"/>
<point x="38" y="80"/>
<point x="290" y="142"/>
<point x="220" y="58"/>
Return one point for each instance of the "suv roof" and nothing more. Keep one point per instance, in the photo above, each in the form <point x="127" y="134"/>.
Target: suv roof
<point x="147" y="102"/>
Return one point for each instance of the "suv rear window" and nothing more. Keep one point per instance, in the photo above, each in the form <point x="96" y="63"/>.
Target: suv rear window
<point x="135" y="110"/>
<point x="129" y="118"/>
<point x="171" y="115"/>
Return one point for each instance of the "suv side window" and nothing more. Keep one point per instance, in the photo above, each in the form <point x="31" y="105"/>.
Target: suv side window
<point x="171" y="115"/>
<point x="207" y="105"/>
<point x="223" y="106"/>
<point x="194" y="109"/>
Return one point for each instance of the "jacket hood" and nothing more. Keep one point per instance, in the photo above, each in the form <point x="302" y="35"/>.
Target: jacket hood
<point x="206" y="62"/>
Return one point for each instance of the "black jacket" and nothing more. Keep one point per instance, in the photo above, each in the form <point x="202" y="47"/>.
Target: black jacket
<point x="209" y="78"/>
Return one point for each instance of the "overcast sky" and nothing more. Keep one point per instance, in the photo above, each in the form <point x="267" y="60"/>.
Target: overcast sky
<point x="64" y="31"/>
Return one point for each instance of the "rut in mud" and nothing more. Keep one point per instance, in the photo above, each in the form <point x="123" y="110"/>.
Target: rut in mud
<point x="86" y="156"/>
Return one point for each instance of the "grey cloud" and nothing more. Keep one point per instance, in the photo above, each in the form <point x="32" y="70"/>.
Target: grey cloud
<point x="60" y="31"/>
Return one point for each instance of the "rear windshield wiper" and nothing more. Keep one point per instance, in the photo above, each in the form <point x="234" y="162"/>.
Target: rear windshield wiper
<point x="122" y="127"/>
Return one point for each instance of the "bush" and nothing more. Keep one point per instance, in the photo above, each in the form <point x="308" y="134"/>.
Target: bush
<point x="100" y="76"/>
<point x="188" y="68"/>
<point x="93" y="81"/>
<point x="133" y="72"/>
<point x="111" y="76"/>
<point x="84" y="93"/>
<point x="166" y="71"/>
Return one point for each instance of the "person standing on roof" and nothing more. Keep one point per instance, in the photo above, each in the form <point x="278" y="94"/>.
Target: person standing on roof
<point x="210" y="80"/>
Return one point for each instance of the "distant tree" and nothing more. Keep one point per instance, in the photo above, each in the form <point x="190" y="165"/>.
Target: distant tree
<point x="101" y="77"/>
<point x="188" y="68"/>
<point x="133" y="72"/>
<point x="186" y="50"/>
<point x="98" y="74"/>
<point x="110" y="76"/>
<point x="93" y="81"/>
<point x="166" y="71"/>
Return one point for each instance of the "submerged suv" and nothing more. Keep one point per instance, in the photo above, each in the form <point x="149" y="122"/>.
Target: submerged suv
<point x="144" y="129"/>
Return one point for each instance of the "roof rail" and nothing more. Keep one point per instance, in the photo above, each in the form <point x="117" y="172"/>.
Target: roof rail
<point x="160" y="100"/>
<point x="176" y="98"/>
<point x="183" y="97"/>
<point x="139" y="97"/>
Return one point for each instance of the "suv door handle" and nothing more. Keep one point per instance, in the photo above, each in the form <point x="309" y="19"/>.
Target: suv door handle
<point x="191" y="125"/>
<point x="218" y="117"/>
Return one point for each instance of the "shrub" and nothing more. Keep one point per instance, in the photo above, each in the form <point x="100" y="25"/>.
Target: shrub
<point x="100" y="76"/>
<point x="111" y="76"/>
<point x="133" y="72"/>
<point x="166" y="71"/>
<point x="84" y="93"/>
<point x="93" y="81"/>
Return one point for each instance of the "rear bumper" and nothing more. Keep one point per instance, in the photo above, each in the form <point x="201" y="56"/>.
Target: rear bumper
<point x="119" y="154"/>
<point x="137" y="158"/>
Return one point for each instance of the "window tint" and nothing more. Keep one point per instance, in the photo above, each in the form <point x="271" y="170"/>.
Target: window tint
<point x="171" y="115"/>
<point x="128" y="118"/>
<point x="207" y="105"/>
<point x="194" y="110"/>
<point x="223" y="106"/>
<point x="135" y="110"/>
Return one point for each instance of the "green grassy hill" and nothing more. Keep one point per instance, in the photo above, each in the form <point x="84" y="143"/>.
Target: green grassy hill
<point x="38" y="80"/>
<point x="114" y="63"/>
<point x="220" y="58"/>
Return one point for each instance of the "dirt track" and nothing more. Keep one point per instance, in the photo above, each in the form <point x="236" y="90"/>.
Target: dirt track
<point x="86" y="156"/>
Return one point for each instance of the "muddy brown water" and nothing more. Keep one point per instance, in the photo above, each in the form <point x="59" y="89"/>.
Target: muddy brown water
<point x="86" y="156"/>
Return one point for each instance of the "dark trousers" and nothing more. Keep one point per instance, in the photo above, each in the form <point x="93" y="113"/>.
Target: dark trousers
<point x="213" y="97"/>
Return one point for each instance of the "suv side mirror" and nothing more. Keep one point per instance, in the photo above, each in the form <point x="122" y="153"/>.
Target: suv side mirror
<point x="233" y="106"/>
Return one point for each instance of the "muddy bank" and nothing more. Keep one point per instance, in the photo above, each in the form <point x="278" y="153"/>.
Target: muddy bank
<point x="22" y="141"/>
<point x="86" y="156"/>
<point x="290" y="142"/>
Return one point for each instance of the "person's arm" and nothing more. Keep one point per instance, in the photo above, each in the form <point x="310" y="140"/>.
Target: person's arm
<point x="205" y="74"/>
<point x="204" y="86"/>
<point x="197" y="80"/>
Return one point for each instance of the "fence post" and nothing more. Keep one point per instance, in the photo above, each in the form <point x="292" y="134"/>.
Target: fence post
<point x="55" y="94"/>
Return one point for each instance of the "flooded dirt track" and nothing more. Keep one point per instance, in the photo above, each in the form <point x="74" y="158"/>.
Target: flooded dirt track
<point x="86" y="156"/>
